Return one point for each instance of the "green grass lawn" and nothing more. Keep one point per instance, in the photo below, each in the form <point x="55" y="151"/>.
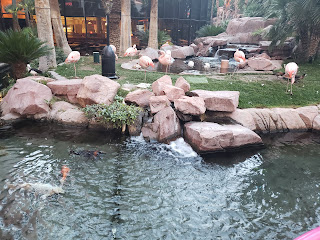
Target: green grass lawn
<point x="253" y="93"/>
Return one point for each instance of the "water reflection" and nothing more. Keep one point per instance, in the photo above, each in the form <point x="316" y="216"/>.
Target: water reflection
<point x="140" y="189"/>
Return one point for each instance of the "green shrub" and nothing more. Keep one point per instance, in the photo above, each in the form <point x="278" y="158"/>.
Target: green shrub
<point x="117" y="113"/>
<point x="209" y="30"/>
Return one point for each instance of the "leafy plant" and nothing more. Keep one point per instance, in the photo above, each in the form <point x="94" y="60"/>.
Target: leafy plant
<point x="117" y="113"/>
<point x="163" y="37"/>
<point x="209" y="30"/>
<point x="18" y="48"/>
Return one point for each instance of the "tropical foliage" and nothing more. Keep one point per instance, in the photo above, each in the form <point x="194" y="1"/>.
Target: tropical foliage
<point x="19" y="48"/>
<point x="209" y="30"/>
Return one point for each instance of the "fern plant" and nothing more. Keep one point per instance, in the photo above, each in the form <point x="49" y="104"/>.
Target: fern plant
<point x="18" y="48"/>
<point x="209" y="30"/>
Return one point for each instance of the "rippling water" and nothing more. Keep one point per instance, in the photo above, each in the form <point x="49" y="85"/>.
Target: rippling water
<point x="140" y="190"/>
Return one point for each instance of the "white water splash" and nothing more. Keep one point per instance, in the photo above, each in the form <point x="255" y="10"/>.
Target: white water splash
<point x="183" y="148"/>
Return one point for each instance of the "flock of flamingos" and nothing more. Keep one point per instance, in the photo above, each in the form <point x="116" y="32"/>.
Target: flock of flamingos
<point x="166" y="60"/>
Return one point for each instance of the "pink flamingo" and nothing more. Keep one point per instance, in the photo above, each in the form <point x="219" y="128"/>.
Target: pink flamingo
<point x="145" y="62"/>
<point x="165" y="59"/>
<point x="291" y="70"/>
<point x="114" y="49"/>
<point x="131" y="51"/>
<point x="239" y="56"/>
<point x="73" y="57"/>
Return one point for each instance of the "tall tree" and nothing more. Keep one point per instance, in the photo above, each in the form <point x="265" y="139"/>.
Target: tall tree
<point x="153" y="27"/>
<point x="61" y="39"/>
<point x="125" y="36"/>
<point x="13" y="9"/>
<point x="45" y="33"/>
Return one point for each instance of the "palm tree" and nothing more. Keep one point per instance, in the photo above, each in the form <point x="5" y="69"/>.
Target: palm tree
<point x="61" y="39"/>
<point x="125" y="36"/>
<point x="153" y="27"/>
<point x="13" y="9"/>
<point x="298" y="18"/>
<point x="45" y="33"/>
<point x="18" y="48"/>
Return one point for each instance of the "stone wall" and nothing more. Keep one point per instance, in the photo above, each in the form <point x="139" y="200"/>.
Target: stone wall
<point x="115" y="21"/>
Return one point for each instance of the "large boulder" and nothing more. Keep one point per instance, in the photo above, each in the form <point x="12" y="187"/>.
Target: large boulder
<point x="173" y="92"/>
<point x="157" y="86"/>
<point x="165" y="126"/>
<point x="183" y="84"/>
<point x="157" y="103"/>
<point x="66" y="113"/>
<point x="182" y="52"/>
<point x="190" y="105"/>
<point x="97" y="89"/>
<point x="150" y="52"/>
<point x="207" y="137"/>
<point x="271" y="120"/>
<point x="263" y="64"/>
<point x="27" y="98"/>
<point x="139" y="97"/>
<point x="68" y="88"/>
<point x="246" y="25"/>
<point x="224" y="101"/>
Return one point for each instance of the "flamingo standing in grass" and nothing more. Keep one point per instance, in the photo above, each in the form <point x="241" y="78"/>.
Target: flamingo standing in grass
<point x="165" y="59"/>
<point x="131" y="51"/>
<point x="145" y="62"/>
<point x="291" y="70"/>
<point x="73" y="57"/>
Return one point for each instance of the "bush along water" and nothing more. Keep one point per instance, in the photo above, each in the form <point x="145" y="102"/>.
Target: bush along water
<point x="118" y="113"/>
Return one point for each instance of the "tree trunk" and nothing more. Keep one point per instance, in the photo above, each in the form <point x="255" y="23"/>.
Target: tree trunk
<point x="313" y="45"/>
<point x="217" y="6"/>
<point x="304" y="44"/>
<point x="125" y="35"/>
<point x="27" y="16"/>
<point x="236" y="8"/>
<point x="153" y="28"/>
<point x="15" y="22"/>
<point x="211" y="13"/>
<point x="19" y="70"/>
<point x="45" y="33"/>
<point x="59" y="34"/>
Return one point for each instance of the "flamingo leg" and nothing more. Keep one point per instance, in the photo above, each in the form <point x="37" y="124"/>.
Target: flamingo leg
<point x="291" y="89"/>
<point x="287" y="86"/>
<point x="75" y="70"/>
<point x="166" y="68"/>
<point x="145" y="75"/>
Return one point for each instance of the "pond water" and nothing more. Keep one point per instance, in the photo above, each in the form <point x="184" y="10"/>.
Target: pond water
<point x="139" y="190"/>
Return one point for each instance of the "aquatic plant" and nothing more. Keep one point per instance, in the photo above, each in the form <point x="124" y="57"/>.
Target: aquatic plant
<point x="117" y="113"/>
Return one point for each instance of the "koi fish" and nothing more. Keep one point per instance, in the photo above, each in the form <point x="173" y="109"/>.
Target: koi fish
<point x="45" y="189"/>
